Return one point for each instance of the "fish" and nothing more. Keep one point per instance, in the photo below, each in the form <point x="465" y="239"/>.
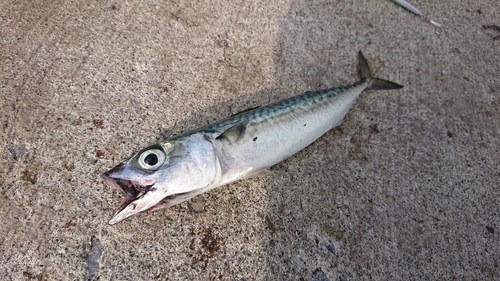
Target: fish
<point x="242" y="146"/>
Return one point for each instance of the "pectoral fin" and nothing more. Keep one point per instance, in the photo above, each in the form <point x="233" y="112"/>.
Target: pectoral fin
<point x="233" y="134"/>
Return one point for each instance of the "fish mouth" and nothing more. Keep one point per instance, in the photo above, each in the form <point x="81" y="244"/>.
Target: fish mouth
<point x="131" y="190"/>
<point x="140" y="197"/>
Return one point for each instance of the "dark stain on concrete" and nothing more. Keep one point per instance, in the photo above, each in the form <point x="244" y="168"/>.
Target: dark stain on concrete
<point x="210" y="242"/>
<point x="99" y="153"/>
<point x="28" y="177"/>
<point x="98" y="123"/>
<point x="32" y="276"/>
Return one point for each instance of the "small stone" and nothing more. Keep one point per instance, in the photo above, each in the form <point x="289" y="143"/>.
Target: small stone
<point x="197" y="204"/>
<point x="329" y="246"/>
<point x="319" y="275"/>
<point x="299" y="262"/>
<point x="18" y="151"/>
<point x="166" y="133"/>
<point x="93" y="259"/>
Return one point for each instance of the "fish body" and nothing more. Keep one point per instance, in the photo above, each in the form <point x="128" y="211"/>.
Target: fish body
<point x="241" y="146"/>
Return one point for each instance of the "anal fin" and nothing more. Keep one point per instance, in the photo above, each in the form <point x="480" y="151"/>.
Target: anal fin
<point x="259" y="173"/>
<point x="338" y="122"/>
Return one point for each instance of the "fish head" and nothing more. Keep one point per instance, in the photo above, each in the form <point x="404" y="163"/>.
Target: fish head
<point x="163" y="174"/>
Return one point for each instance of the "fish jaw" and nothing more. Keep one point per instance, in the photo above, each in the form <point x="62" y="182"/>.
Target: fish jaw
<point x="137" y="197"/>
<point x="139" y="194"/>
<point x="144" y="202"/>
<point x="130" y="208"/>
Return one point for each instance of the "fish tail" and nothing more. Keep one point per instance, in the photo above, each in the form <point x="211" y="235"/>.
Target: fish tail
<point x="375" y="83"/>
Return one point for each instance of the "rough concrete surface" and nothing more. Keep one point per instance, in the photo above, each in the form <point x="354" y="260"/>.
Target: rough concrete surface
<point x="407" y="188"/>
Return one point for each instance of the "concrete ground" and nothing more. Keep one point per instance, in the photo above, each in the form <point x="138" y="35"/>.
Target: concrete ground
<point x="407" y="188"/>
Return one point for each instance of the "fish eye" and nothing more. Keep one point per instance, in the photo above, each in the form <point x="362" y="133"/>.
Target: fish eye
<point x="151" y="159"/>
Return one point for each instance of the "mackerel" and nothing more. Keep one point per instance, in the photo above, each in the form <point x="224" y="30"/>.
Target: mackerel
<point x="241" y="146"/>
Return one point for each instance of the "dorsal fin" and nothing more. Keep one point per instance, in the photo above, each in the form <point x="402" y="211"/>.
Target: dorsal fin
<point x="246" y="110"/>
<point x="235" y="133"/>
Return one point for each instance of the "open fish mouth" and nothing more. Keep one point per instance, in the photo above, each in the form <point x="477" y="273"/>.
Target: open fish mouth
<point x="131" y="191"/>
<point x="138" y="196"/>
<point x="128" y="187"/>
<point x="136" y="192"/>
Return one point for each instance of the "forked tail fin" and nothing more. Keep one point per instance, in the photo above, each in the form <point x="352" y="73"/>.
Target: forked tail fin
<point x="374" y="83"/>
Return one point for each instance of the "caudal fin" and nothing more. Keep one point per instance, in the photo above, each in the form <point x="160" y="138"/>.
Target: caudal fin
<point x="375" y="83"/>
